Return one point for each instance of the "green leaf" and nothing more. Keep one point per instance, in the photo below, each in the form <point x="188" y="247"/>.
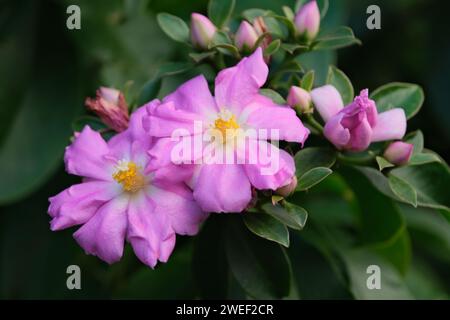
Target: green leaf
<point x="288" y="12"/>
<point x="33" y="148"/>
<point x="323" y="7"/>
<point x="312" y="157"/>
<point x="261" y="267"/>
<point x="209" y="260"/>
<point x="174" y="68"/>
<point x="287" y="22"/>
<point x="174" y="27"/>
<point x="423" y="158"/>
<point x="227" y="49"/>
<point x="392" y="284"/>
<point x="273" y="95"/>
<point x="312" y="177"/>
<point x="251" y="14"/>
<point x="93" y="122"/>
<point x="292" y="48"/>
<point x="266" y="227"/>
<point x="407" y="96"/>
<point x="200" y="56"/>
<point x="339" y="38"/>
<point x="416" y="139"/>
<point x="383" y="163"/>
<point x="342" y="83"/>
<point x="308" y="80"/>
<point x="430" y="181"/>
<point x="380" y="219"/>
<point x="149" y="91"/>
<point x="272" y="47"/>
<point x="403" y="190"/>
<point x="290" y="214"/>
<point x="220" y="11"/>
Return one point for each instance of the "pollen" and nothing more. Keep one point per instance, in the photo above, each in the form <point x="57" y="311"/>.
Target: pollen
<point x="129" y="176"/>
<point x="226" y="123"/>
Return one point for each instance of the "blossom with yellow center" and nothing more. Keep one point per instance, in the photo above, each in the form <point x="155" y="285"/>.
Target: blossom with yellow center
<point x="226" y="123"/>
<point x="129" y="176"/>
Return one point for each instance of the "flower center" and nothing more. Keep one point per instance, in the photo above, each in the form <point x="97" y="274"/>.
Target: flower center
<point x="226" y="123"/>
<point x="129" y="176"/>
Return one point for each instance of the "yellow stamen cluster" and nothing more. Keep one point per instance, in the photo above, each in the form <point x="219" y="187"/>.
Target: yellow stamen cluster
<point x="226" y="123"/>
<point x="129" y="176"/>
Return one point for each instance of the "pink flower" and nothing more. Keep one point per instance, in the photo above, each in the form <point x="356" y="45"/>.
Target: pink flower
<point x="237" y="106"/>
<point x="202" y="30"/>
<point x="357" y="125"/>
<point x="307" y="20"/>
<point x="399" y="152"/>
<point x="121" y="199"/>
<point x="246" y="37"/>
<point x="300" y="99"/>
<point x="111" y="107"/>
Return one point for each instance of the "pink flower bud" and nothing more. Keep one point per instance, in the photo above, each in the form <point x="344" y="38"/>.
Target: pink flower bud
<point x="261" y="28"/>
<point x="287" y="189"/>
<point x="399" y="152"/>
<point x="111" y="107"/>
<point x="307" y="20"/>
<point x="246" y="36"/>
<point x="299" y="99"/>
<point x="202" y="30"/>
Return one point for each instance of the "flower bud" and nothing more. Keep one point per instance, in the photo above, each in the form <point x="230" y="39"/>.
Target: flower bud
<point x="287" y="189"/>
<point x="111" y="107"/>
<point x="246" y="37"/>
<point x="299" y="99"/>
<point x="202" y="30"/>
<point x="307" y="20"/>
<point x="398" y="152"/>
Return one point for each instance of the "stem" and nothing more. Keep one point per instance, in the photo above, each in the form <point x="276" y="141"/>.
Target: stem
<point x="313" y="123"/>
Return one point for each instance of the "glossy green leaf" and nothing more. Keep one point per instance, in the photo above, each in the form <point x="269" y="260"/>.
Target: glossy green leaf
<point x="273" y="95"/>
<point x="174" y="27"/>
<point x="339" y="38"/>
<point x="423" y="158"/>
<point x="293" y="48"/>
<point x="251" y="14"/>
<point x="342" y="83"/>
<point x="430" y="181"/>
<point x="199" y="57"/>
<point x="403" y="190"/>
<point x="312" y="177"/>
<point x="383" y="163"/>
<point x="149" y="91"/>
<point x="312" y="157"/>
<point x="289" y="214"/>
<point x="267" y="227"/>
<point x="408" y="96"/>
<point x="220" y="11"/>
<point x="416" y="139"/>
<point x="272" y="48"/>
<point x="288" y="12"/>
<point x="308" y="80"/>
<point x="261" y="267"/>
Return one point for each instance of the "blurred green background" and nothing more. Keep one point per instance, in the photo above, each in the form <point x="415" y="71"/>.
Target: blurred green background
<point x="47" y="71"/>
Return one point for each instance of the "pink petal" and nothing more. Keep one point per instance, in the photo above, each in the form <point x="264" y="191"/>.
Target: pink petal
<point x="167" y="119"/>
<point x="360" y="136"/>
<point x="327" y="100"/>
<point x="274" y="167"/>
<point x="390" y="125"/>
<point x="149" y="232"/>
<point x="177" y="203"/>
<point x="85" y="156"/>
<point x="194" y="96"/>
<point x="236" y="86"/>
<point x="104" y="234"/>
<point x="222" y="188"/>
<point x="335" y="132"/>
<point x="77" y="204"/>
<point x="262" y="113"/>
